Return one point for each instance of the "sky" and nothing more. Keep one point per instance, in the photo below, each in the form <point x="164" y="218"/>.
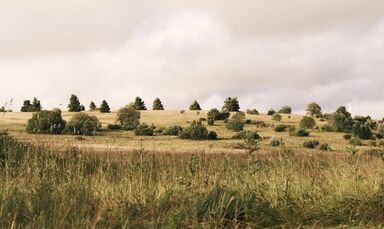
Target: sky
<point x="268" y="53"/>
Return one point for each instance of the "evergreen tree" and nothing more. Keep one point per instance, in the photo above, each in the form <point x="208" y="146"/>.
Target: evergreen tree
<point x="74" y="104"/>
<point x="341" y="120"/>
<point x="139" y="104"/>
<point x="26" y="106"/>
<point x="157" y="105"/>
<point x="36" y="106"/>
<point x="195" y="106"/>
<point x="92" y="106"/>
<point x="231" y="104"/>
<point x="104" y="107"/>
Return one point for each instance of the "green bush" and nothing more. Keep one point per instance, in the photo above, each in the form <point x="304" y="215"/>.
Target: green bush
<point x="195" y="106"/>
<point x="239" y="115"/>
<point x="314" y="109"/>
<point x="196" y="131"/>
<point x="114" y="127"/>
<point x="235" y="125"/>
<point x="247" y="134"/>
<point x="28" y="107"/>
<point x="248" y="121"/>
<point x="252" y="111"/>
<point x="46" y="122"/>
<point x="307" y="122"/>
<point x="271" y="112"/>
<point x="217" y="115"/>
<point x="172" y="130"/>
<point x="341" y="120"/>
<point x="157" y="105"/>
<point x="302" y="133"/>
<point x="285" y="110"/>
<point x="326" y="128"/>
<point x="212" y="135"/>
<point x="276" y="117"/>
<point x="92" y="106"/>
<point x="325" y="147"/>
<point x="362" y="131"/>
<point x="83" y="124"/>
<point x="347" y="136"/>
<point x="281" y="128"/>
<point x="144" y="130"/>
<point x="355" y="141"/>
<point x="275" y="141"/>
<point x="311" y="144"/>
<point x="211" y="121"/>
<point x="128" y="117"/>
<point x="231" y="104"/>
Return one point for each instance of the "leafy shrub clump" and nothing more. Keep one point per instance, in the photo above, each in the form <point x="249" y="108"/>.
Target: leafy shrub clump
<point x="196" y="131"/>
<point x="114" y="127"/>
<point x="355" y="141"/>
<point x="172" y="130"/>
<point x="83" y="124"/>
<point x="326" y="128"/>
<point x="347" y="136"/>
<point x="144" y="130"/>
<point x="247" y="134"/>
<point x="235" y="125"/>
<point x="275" y="141"/>
<point x="212" y="135"/>
<point x="211" y="121"/>
<point x="271" y="112"/>
<point x="325" y="147"/>
<point x="231" y="104"/>
<point x="307" y="122"/>
<point x="46" y="122"/>
<point x="285" y="110"/>
<point x="195" y="106"/>
<point x="311" y="144"/>
<point x="276" y="117"/>
<point x="302" y="133"/>
<point x="252" y="112"/>
<point x="248" y="121"/>
<point x="128" y="118"/>
<point x="281" y="128"/>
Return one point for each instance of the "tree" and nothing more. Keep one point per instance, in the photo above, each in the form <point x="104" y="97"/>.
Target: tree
<point x="235" y="125"/>
<point x="341" y="120"/>
<point x="276" y="117"/>
<point x="128" y="117"/>
<point x="26" y="106"/>
<point x="197" y="131"/>
<point x="271" y="112"/>
<point x="157" y="105"/>
<point x="285" y="110"/>
<point x="307" y="122"/>
<point x="139" y="104"/>
<point x="104" y="107"/>
<point x="231" y="104"/>
<point x="92" y="106"/>
<point x="36" y="106"/>
<point x="46" y="122"/>
<point x="144" y="130"/>
<point x="314" y="109"/>
<point x="83" y="124"/>
<point x="195" y="106"/>
<point x="74" y="104"/>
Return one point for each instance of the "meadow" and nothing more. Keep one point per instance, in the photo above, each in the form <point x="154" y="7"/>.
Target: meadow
<point x="118" y="180"/>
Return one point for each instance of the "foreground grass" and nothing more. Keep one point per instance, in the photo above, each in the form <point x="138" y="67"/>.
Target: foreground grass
<point x="45" y="189"/>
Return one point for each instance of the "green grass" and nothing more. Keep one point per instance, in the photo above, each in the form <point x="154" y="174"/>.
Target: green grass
<point x="45" y="188"/>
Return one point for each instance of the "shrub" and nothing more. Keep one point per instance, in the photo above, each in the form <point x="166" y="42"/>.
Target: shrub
<point x="314" y="109"/>
<point x="223" y="115"/>
<point x="74" y="104"/>
<point x="326" y="128"/>
<point x="341" y="120"/>
<point x="195" y="106"/>
<point x="259" y="123"/>
<point x="128" y="117"/>
<point x="139" y="104"/>
<point x="252" y="112"/>
<point x="239" y="115"/>
<point x="114" y="127"/>
<point x="217" y="115"/>
<point x="281" y="128"/>
<point x="92" y="106"/>
<point x="231" y="104"/>
<point x="196" y="131"/>
<point x="311" y="144"/>
<point x="307" y="122"/>
<point x="235" y="125"/>
<point x="347" y="136"/>
<point x="285" y="110"/>
<point x="83" y="124"/>
<point x="248" y="121"/>
<point x="104" y="107"/>
<point x="144" y="130"/>
<point x="172" y="130"/>
<point x="362" y="131"/>
<point x="211" y="121"/>
<point x="302" y="133"/>
<point x="247" y="134"/>
<point x="271" y="112"/>
<point x="355" y="141"/>
<point x="325" y="147"/>
<point x="182" y="111"/>
<point x="274" y="141"/>
<point x="157" y="105"/>
<point x="276" y="117"/>
<point x="212" y="135"/>
<point x="46" y="122"/>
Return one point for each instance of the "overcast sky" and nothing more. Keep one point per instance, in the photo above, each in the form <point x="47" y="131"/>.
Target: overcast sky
<point x="268" y="53"/>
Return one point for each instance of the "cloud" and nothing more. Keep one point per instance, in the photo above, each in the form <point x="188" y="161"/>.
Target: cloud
<point x="265" y="52"/>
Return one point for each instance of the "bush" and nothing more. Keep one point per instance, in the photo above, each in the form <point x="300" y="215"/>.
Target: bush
<point x="224" y="115"/>
<point x="285" y="110"/>
<point x="302" y="133"/>
<point x="247" y="134"/>
<point x="211" y="121"/>
<point x="341" y="120"/>
<point x="182" y="111"/>
<point x="281" y="128"/>
<point x="326" y="128"/>
<point x="311" y="144"/>
<point x="325" y="147"/>
<point x="128" y="118"/>
<point x="259" y="123"/>
<point x="114" y="127"/>
<point x="104" y="107"/>
<point x="275" y="141"/>
<point x="46" y="122"/>
<point x="276" y="117"/>
<point x="362" y="131"/>
<point x="355" y="141"/>
<point x="83" y="124"/>
<point x="347" y="136"/>
<point x="252" y="112"/>
<point x="307" y="122"/>
<point x="195" y="106"/>
<point x="271" y="112"/>
<point x="196" y="131"/>
<point x="74" y="104"/>
<point x="314" y="109"/>
<point x="172" y="130"/>
<point x="92" y="106"/>
<point x="235" y="125"/>
<point x="231" y="104"/>
<point x="248" y="121"/>
<point x="144" y="130"/>
<point x="217" y="115"/>
<point x="202" y="119"/>
<point x="157" y="105"/>
<point x="212" y="135"/>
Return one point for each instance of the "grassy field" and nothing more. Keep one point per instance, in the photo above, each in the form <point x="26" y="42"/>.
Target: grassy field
<point x="118" y="180"/>
<point x="123" y="141"/>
